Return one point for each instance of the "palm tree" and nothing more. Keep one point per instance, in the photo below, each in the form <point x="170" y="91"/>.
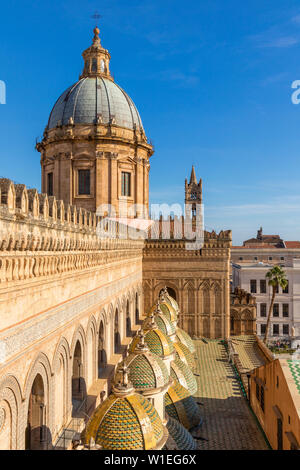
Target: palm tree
<point x="276" y="278"/>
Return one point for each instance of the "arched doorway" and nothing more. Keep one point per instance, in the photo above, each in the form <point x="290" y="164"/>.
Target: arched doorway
<point x="171" y="292"/>
<point x="117" y="339"/>
<point x="35" y="433"/>
<point x="102" y="359"/>
<point x="137" y="313"/>
<point x="78" y="384"/>
<point x="128" y="320"/>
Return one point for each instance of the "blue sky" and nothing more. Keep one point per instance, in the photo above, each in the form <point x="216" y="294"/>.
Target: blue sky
<point x="211" y="79"/>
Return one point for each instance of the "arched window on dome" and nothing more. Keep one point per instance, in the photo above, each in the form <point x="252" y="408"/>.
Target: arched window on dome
<point x="94" y="65"/>
<point x="102" y="66"/>
<point x="87" y="66"/>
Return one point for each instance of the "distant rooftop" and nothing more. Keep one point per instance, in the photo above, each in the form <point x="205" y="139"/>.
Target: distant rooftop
<point x="268" y="241"/>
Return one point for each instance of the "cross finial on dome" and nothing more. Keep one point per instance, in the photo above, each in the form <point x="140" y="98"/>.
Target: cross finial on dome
<point x="123" y="387"/>
<point x="96" y="34"/>
<point x="158" y="309"/>
<point x="141" y="346"/>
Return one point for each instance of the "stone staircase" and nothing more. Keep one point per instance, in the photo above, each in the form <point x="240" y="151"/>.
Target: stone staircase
<point x="248" y="350"/>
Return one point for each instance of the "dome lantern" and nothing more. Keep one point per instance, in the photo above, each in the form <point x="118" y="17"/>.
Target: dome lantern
<point x="96" y="59"/>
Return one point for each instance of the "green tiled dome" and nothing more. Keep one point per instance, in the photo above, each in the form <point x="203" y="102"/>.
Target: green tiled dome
<point x="172" y="302"/>
<point x="183" y="353"/>
<point x="159" y="343"/>
<point x="183" y="374"/>
<point x="184" y="338"/>
<point x="181" y="406"/>
<point x="126" y="423"/>
<point x="165" y="325"/>
<point x="168" y="311"/>
<point x="182" y="438"/>
<point x="146" y="371"/>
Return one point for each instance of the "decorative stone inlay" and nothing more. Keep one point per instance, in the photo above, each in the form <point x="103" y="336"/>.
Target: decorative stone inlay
<point x="21" y="336"/>
<point x="2" y="418"/>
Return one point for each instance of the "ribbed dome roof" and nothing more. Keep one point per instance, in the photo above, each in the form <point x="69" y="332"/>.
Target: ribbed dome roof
<point x="165" y="325"/>
<point x="183" y="353"/>
<point x="93" y="98"/>
<point x="181" y="406"/>
<point x="126" y="423"/>
<point x="157" y="342"/>
<point x="183" y="374"/>
<point x="146" y="371"/>
<point x="185" y="338"/>
<point x="182" y="439"/>
<point x="168" y="311"/>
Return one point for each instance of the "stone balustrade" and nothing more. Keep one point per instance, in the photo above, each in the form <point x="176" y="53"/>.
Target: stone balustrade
<point x="40" y="236"/>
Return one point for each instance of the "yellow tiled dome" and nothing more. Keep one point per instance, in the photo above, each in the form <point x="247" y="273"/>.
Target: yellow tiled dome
<point x="162" y="321"/>
<point x="166" y="309"/>
<point x="156" y="340"/>
<point x="183" y="353"/>
<point x="126" y="421"/>
<point x="170" y="299"/>
<point x="185" y="339"/>
<point x="146" y="370"/>
<point x="179" y="437"/>
<point x="182" y="406"/>
<point x="183" y="374"/>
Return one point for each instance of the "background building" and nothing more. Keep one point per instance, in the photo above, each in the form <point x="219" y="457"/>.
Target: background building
<point x="251" y="262"/>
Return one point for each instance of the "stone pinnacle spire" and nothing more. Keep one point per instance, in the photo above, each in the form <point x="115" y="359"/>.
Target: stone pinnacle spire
<point x="193" y="178"/>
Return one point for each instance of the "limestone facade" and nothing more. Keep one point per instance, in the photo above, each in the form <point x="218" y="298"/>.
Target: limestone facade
<point x="198" y="279"/>
<point x="66" y="296"/>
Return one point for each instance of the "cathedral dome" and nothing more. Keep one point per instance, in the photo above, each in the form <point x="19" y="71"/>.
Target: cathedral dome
<point x="95" y="99"/>
<point x="125" y="421"/>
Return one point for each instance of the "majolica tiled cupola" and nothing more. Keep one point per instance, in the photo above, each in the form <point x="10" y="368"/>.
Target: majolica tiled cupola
<point x="94" y="151"/>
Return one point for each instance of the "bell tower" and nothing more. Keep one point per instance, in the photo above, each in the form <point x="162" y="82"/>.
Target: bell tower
<point x="193" y="193"/>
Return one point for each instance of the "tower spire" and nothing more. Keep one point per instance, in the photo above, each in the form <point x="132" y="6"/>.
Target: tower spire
<point x="193" y="179"/>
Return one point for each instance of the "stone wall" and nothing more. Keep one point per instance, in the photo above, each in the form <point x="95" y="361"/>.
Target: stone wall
<point x="199" y="278"/>
<point x="62" y="290"/>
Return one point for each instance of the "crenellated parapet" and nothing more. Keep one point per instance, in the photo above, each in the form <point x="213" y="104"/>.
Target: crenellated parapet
<point x="242" y="312"/>
<point x="41" y="236"/>
<point x="176" y="232"/>
<point x="242" y="297"/>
